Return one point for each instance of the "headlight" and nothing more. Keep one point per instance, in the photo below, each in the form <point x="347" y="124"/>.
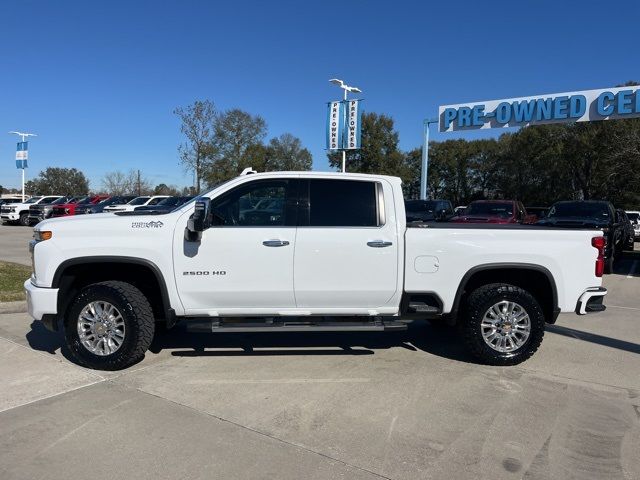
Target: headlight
<point x="12" y="209"/>
<point x="42" y="235"/>
<point x="66" y="210"/>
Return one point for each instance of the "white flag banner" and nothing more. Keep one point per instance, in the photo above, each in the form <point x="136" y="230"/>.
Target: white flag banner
<point x="335" y="125"/>
<point x="354" y="116"/>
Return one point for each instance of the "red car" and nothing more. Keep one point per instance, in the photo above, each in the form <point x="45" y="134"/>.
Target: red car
<point x="494" y="211"/>
<point x="70" y="208"/>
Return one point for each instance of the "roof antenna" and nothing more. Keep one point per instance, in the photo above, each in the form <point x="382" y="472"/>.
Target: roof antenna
<point x="248" y="171"/>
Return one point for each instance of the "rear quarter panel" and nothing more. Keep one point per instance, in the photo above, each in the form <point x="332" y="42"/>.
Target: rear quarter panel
<point x="449" y="253"/>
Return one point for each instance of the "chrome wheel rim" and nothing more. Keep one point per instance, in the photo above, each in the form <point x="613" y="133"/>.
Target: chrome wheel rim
<point x="101" y="328"/>
<point x="506" y="326"/>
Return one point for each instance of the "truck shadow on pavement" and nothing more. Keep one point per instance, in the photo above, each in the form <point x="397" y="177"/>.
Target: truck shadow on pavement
<point x="420" y="336"/>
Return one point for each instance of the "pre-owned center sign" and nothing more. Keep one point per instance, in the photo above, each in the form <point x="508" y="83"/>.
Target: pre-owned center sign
<point x="584" y="106"/>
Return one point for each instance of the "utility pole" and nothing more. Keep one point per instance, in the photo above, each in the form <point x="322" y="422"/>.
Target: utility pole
<point x="425" y="158"/>
<point x="139" y="189"/>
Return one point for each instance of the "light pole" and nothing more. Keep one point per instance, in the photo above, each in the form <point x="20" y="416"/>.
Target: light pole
<point x="23" y="135"/>
<point x="425" y="158"/>
<point x="346" y="89"/>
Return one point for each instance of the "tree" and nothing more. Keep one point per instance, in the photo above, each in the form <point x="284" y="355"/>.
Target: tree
<point x="236" y="135"/>
<point x="287" y="153"/>
<point x="164" y="189"/>
<point x="133" y="182"/>
<point x="198" y="125"/>
<point x="58" y="181"/>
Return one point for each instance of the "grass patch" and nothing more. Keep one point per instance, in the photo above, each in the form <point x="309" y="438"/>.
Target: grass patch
<point x="12" y="277"/>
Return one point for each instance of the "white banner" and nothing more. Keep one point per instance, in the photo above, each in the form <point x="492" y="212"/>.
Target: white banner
<point x="353" y="125"/>
<point x="335" y="126"/>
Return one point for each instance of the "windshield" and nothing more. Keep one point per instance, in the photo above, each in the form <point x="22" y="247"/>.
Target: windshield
<point x="420" y="206"/>
<point x="579" y="209"/>
<point x="633" y="216"/>
<point x="139" y="200"/>
<point x="62" y="200"/>
<point x="84" y="200"/>
<point x="495" y="209"/>
<point x="33" y="200"/>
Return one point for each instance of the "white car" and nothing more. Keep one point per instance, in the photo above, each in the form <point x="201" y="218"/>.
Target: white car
<point x="136" y="202"/>
<point x="634" y="218"/>
<point x="19" y="212"/>
<point x="333" y="252"/>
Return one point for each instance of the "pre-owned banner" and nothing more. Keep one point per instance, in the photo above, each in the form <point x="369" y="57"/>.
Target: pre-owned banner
<point x="22" y="151"/>
<point x="354" y="117"/>
<point x="335" y="126"/>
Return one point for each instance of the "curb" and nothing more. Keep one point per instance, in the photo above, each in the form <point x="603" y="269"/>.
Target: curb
<point x="13" y="307"/>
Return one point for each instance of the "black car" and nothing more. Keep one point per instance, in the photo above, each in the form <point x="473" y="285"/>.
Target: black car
<point x="597" y="214"/>
<point x="165" y="205"/>
<point x="627" y="226"/>
<point x="428" y="210"/>
<point x="99" y="207"/>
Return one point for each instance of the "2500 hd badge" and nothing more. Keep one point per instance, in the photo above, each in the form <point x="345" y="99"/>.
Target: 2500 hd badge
<point x="205" y="273"/>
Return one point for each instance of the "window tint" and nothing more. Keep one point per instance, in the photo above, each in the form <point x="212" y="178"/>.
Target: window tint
<point x="490" y="208"/>
<point x="155" y="201"/>
<point x="342" y="203"/>
<point x="257" y="204"/>
<point x="580" y="209"/>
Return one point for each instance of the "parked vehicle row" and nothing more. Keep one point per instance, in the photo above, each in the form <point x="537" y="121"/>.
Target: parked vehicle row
<point x="39" y="208"/>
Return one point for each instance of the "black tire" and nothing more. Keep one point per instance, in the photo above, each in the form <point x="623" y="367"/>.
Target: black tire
<point x="138" y="320"/>
<point x="608" y="264"/>
<point x="24" y="220"/>
<point x="477" y="304"/>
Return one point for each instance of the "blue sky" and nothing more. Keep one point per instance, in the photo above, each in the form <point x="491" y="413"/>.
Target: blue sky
<point x="97" y="81"/>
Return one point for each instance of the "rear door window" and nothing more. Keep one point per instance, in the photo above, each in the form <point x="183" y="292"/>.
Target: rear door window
<point x="342" y="203"/>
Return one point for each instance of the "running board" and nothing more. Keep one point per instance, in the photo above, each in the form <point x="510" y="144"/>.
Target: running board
<point x="216" y="326"/>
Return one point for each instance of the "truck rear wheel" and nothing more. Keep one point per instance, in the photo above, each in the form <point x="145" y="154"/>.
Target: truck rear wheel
<point x="24" y="219"/>
<point x="504" y="324"/>
<point x="109" y="326"/>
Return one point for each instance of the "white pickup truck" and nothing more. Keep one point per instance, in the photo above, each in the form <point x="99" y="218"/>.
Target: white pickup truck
<point x="292" y="251"/>
<point x="19" y="212"/>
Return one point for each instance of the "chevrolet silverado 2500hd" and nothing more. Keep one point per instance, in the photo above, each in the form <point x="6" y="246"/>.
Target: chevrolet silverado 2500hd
<point x="293" y="251"/>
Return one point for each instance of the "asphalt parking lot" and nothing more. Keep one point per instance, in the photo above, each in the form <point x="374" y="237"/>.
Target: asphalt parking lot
<point x="406" y="405"/>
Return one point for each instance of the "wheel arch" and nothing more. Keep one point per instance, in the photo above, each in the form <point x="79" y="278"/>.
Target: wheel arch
<point x="523" y="275"/>
<point x="75" y="273"/>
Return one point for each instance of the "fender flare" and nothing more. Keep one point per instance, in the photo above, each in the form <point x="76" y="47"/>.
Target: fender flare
<point x="164" y="293"/>
<point x="499" y="266"/>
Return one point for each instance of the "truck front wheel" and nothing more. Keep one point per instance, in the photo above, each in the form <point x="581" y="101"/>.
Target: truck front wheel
<point x="504" y="324"/>
<point x="109" y="326"/>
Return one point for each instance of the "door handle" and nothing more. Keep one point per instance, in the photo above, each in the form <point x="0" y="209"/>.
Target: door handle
<point x="379" y="243"/>
<point x="275" y="243"/>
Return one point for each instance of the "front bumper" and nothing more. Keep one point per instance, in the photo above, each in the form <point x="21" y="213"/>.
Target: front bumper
<point x="591" y="301"/>
<point x="12" y="217"/>
<point x="41" y="301"/>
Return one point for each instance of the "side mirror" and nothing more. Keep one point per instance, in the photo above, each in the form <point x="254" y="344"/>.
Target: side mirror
<point x="199" y="221"/>
<point x="441" y="216"/>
